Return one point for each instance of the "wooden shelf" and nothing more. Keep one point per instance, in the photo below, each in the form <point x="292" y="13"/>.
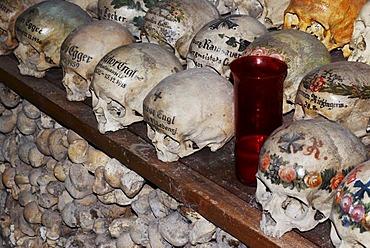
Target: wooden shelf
<point x="204" y="181"/>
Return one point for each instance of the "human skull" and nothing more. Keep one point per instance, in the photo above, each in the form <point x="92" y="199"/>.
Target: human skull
<point x="122" y="79"/>
<point x="273" y="13"/>
<point x="9" y="12"/>
<point x="188" y="111"/>
<point x="40" y="30"/>
<point x="222" y="40"/>
<point x="338" y="91"/>
<point x="173" y="23"/>
<point x="360" y="40"/>
<point x="252" y="8"/>
<point x="350" y="215"/>
<point x="300" y="166"/>
<point x="300" y="51"/>
<point x="82" y="50"/>
<point x="130" y="14"/>
<point x="330" y="21"/>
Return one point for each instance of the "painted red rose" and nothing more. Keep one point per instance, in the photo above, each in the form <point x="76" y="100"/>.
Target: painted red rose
<point x="336" y="180"/>
<point x="316" y="84"/>
<point x="287" y="173"/>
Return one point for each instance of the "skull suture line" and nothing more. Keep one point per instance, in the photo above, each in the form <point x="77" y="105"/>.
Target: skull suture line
<point x="40" y="30"/>
<point x="300" y="166"/>
<point x="79" y="58"/>
<point x="188" y="111"/>
<point x="338" y="91"/>
<point x="123" y="77"/>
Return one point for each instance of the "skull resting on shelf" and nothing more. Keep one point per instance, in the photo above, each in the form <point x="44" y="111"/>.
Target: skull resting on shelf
<point x="78" y="58"/>
<point x="300" y="166"/>
<point x="122" y="79"/>
<point x="188" y="111"/>
<point x="40" y="30"/>
<point x="338" y="91"/>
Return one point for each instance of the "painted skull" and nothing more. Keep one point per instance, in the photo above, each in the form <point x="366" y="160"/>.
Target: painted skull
<point x="173" y="23"/>
<point x="188" y="111"/>
<point x="130" y="14"/>
<point x="9" y="12"/>
<point x="360" y="41"/>
<point x="122" y="79"/>
<point x="350" y="215"/>
<point x="300" y="166"/>
<point x="222" y="40"/>
<point x="78" y="58"/>
<point x="338" y="91"/>
<point x="40" y="30"/>
<point x="330" y="21"/>
<point x="300" y="51"/>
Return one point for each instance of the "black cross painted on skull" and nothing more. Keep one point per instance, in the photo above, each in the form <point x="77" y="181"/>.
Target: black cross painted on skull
<point x="157" y="96"/>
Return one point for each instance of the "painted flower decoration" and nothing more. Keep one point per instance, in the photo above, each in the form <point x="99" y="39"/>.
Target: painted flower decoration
<point x="265" y="162"/>
<point x="335" y="181"/>
<point x="313" y="179"/>
<point x="346" y="203"/>
<point x="263" y="51"/>
<point x="316" y="84"/>
<point x="287" y="173"/>
<point x="357" y="213"/>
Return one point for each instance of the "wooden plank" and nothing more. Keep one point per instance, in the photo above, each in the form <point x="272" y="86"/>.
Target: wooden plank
<point x="230" y="208"/>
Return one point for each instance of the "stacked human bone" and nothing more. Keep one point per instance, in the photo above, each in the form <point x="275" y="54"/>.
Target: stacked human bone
<point x="58" y="190"/>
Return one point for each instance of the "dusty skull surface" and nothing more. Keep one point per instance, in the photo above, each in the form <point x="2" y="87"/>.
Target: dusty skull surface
<point x="331" y="22"/>
<point x="222" y="40"/>
<point x="360" y="40"/>
<point x="300" y="166"/>
<point x="130" y="14"/>
<point x="338" y="91"/>
<point x="9" y="12"/>
<point x="299" y="50"/>
<point x="122" y="79"/>
<point x="188" y="111"/>
<point x="82" y="50"/>
<point x="350" y="215"/>
<point x="40" y="30"/>
<point x="173" y="23"/>
<point x="90" y="6"/>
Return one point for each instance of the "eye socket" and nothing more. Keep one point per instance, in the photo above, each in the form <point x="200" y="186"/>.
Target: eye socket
<point x="116" y="109"/>
<point x="171" y="144"/>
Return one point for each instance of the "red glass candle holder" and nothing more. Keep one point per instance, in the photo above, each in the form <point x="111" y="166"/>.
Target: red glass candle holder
<point x="258" y="94"/>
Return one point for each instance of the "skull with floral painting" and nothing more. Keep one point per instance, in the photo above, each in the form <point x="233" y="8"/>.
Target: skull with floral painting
<point x="222" y="40"/>
<point x="122" y="79"/>
<point x="338" y="91"/>
<point x="188" y="111"/>
<point x="79" y="58"/>
<point x="129" y="14"/>
<point x="330" y="21"/>
<point x="173" y="23"/>
<point x="301" y="52"/>
<point x="350" y="215"/>
<point x="300" y="166"/>
<point x="9" y="12"/>
<point x="40" y="30"/>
